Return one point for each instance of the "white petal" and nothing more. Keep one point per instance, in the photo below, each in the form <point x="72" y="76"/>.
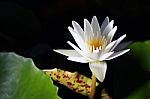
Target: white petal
<point x="118" y="54"/>
<point x="109" y="46"/>
<point x="95" y="25"/>
<point x="118" y="41"/>
<point x="87" y="29"/>
<point x="108" y="28"/>
<point x="78" y="59"/>
<point x="75" y="47"/>
<point x="95" y="55"/>
<point x="98" y="69"/>
<point x="70" y="53"/>
<point x="77" y="37"/>
<point x="104" y="24"/>
<point x="111" y="34"/>
<point x="105" y="56"/>
<point x="123" y="45"/>
<point x="78" y="29"/>
<point x="82" y="53"/>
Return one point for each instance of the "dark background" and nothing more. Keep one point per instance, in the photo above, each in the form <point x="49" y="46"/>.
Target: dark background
<point x="32" y="28"/>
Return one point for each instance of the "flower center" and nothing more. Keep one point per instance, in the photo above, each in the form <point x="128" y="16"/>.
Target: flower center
<point x="96" y="44"/>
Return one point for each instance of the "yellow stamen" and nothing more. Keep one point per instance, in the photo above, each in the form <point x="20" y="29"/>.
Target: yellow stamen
<point x="94" y="44"/>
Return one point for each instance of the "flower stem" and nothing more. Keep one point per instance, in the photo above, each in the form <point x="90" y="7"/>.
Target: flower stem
<point x="93" y="87"/>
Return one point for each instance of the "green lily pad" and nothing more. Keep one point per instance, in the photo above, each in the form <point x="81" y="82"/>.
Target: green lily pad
<point x="132" y="72"/>
<point x="141" y="50"/>
<point x="21" y="79"/>
<point x="141" y="53"/>
<point x="141" y="93"/>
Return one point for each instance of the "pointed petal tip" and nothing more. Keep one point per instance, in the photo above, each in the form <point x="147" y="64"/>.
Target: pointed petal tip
<point x="99" y="70"/>
<point x="68" y="58"/>
<point x="85" y="20"/>
<point x="122" y="37"/>
<point x="112" y="22"/>
<point x="54" y="50"/>
<point x="69" y="28"/>
<point x="73" y="21"/>
<point x="125" y="51"/>
<point x="57" y="51"/>
<point x="107" y="18"/>
<point x="78" y="59"/>
<point x="102" y="79"/>
<point x="115" y="27"/>
<point x="94" y="17"/>
<point x="128" y="50"/>
<point x="68" y="42"/>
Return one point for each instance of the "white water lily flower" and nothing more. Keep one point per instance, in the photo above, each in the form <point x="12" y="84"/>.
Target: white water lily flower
<point x="95" y="45"/>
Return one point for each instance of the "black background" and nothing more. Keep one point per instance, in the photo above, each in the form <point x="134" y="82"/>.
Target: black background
<point x="32" y="28"/>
